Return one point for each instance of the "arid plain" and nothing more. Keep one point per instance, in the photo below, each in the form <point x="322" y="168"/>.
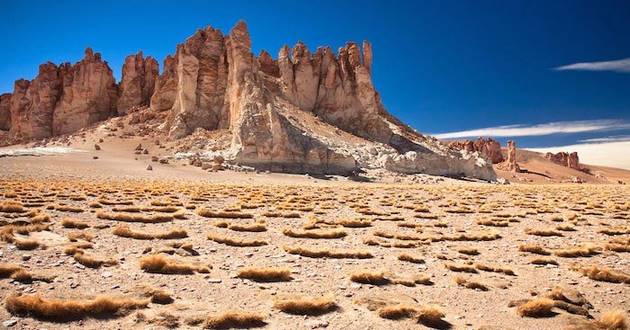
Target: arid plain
<point x="179" y="247"/>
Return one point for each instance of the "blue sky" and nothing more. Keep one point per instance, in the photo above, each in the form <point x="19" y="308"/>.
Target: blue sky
<point x="441" y="66"/>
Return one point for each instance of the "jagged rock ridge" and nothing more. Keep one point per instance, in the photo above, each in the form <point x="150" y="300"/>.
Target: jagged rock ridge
<point x="301" y="112"/>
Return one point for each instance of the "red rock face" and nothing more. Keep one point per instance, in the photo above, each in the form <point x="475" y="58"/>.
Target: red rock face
<point x="302" y="112"/>
<point x="89" y="94"/>
<point x="165" y="87"/>
<point x="570" y="160"/>
<point x="5" y="111"/>
<point x="33" y="103"/>
<point x="62" y="99"/>
<point x="137" y="85"/>
<point x="488" y="148"/>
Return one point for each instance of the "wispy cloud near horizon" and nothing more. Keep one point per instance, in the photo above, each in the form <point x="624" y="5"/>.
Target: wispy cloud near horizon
<point x="560" y="127"/>
<point x="622" y="65"/>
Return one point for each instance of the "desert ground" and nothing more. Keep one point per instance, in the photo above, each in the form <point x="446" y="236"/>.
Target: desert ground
<point x="106" y="243"/>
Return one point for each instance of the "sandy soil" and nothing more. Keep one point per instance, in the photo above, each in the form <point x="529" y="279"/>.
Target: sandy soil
<point x="434" y="221"/>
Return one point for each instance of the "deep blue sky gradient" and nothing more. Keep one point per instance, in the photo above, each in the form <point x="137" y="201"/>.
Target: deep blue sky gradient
<point x="439" y="65"/>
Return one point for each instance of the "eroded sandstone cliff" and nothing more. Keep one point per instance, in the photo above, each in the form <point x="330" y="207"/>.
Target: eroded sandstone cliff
<point x="137" y="83"/>
<point x="302" y="112"/>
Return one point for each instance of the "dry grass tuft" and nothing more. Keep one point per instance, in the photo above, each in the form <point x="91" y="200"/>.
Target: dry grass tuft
<point x="315" y="233"/>
<point x="369" y="277"/>
<point x="254" y="227"/>
<point x="583" y="251"/>
<point x="605" y="274"/>
<point x="461" y="268"/>
<point x="235" y="319"/>
<point x="543" y="261"/>
<point x="127" y="217"/>
<point x="540" y="307"/>
<point x="428" y="315"/>
<point x="468" y="251"/>
<point x="125" y="231"/>
<point x="533" y="248"/>
<point x="494" y="269"/>
<point x="610" y="320"/>
<point x="74" y="223"/>
<point x="160" y="264"/>
<point x="328" y="253"/>
<point x="267" y="274"/>
<point x="53" y="309"/>
<point x="398" y="311"/>
<point x="410" y="258"/>
<point x="20" y="274"/>
<point x="26" y="244"/>
<point x="543" y="232"/>
<point x="234" y="241"/>
<point x="158" y="296"/>
<point x="204" y="212"/>
<point x="12" y="207"/>
<point x="91" y="261"/>
<point x="306" y="305"/>
<point x="470" y="284"/>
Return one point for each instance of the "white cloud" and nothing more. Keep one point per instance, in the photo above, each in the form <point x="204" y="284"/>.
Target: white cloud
<point x="622" y="65"/>
<point x="616" y="138"/>
<point x="561" y="127"/>
<point x="612" y="154"/>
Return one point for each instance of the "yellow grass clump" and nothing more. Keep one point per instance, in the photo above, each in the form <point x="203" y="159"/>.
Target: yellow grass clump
<point x="328" y="253"/>
<point x="605" y="274"/>
<point x="235" y="241"/>
<point x="543" y="232"/>
<point x="266" y="274"/>
<point x="429" y="315"/>
<point x="91" y="261"/>
<point x="127" y="217"/>
<point x="369" y="277"/>
<point x="574" y="252"/>
<point x="315" y="233"/>
<point x="539" y="307"/>
<point x="460" y="268"/>
<point x="69" y="309"/>
<point x="162" y="265"/>
<point x="410" y="258"/>
<point x="494" y="269"/>
<point x="306" y="305"/>
<point x="533" y="248"/>
<point x="125" y="231"/>
<point x="74" y="223"/>
<point x="235" y="319"/>
<point x="208" y="213"/>
<point x="470" y="284"/>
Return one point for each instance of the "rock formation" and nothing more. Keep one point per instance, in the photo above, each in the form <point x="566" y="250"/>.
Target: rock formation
<point x="488" y="148"/>
<point x="5" y="112"/>
<point x="89" y="94"/>
<point x="570" y="160"/>
<point x="62" y="99"/>
<point x="510" y="163"/>
<point x="138" y="82"/>
<point x="165" y="87"/>
<point x="302" y="112"/>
